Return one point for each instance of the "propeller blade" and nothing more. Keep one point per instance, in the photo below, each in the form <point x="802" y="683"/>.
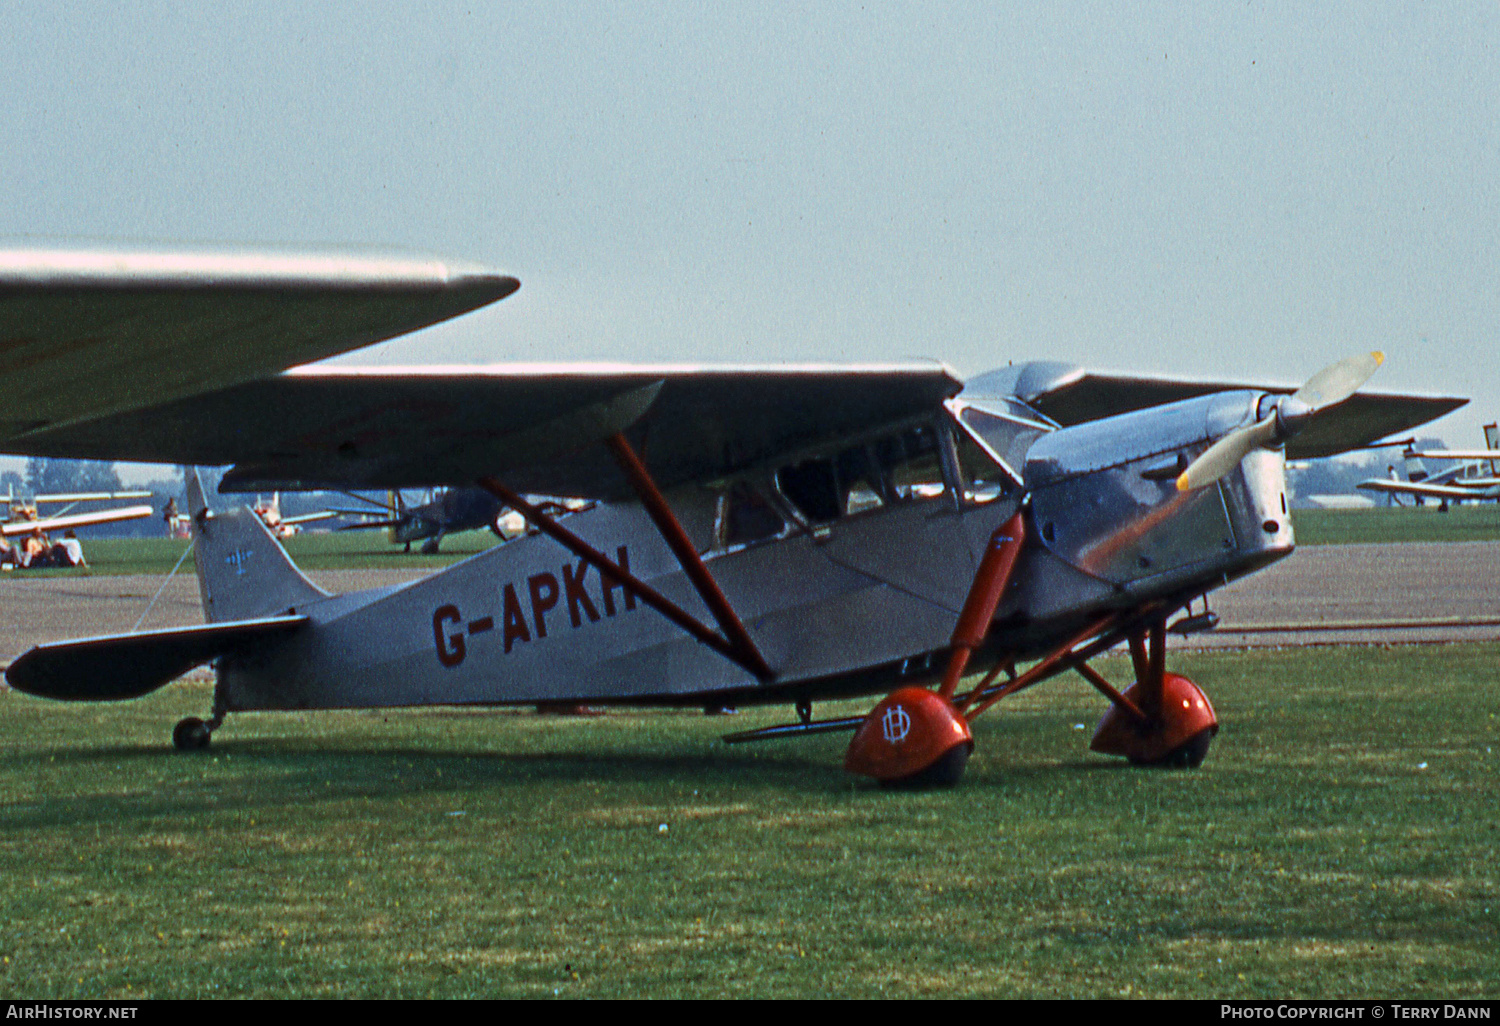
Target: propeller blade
<point x="1333" y="384"/>
<point x="1338" y="381"/>
<point x="1225" y="454"/>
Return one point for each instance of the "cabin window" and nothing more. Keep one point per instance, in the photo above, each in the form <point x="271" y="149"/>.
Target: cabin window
<point x="811" y="486"/>
<point x="982" y="479"/>
<point x="903" y="467"/>
<point x="912" y="464"/>
<point x="745" y="516"/>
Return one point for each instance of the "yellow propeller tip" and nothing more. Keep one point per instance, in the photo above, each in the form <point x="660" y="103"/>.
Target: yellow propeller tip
<point x="1379" y="358"/>
<point x="1182" y="483"/>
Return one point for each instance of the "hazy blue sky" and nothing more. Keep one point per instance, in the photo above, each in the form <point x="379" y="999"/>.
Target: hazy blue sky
<point x="1249" y="190"/>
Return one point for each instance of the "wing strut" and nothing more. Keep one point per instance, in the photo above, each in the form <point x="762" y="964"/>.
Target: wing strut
<point x="687" y="555"/>
<point x="734" y="644"/>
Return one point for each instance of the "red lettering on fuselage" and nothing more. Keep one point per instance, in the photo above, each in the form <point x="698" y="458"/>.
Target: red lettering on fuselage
<point x="545" y="592"/>
<point x="611" y="583"/>
<point x="577" y="597"/>
<point x="515" y="623"/>
<point x="543" y="597"/>
<point x="450" y="647"/>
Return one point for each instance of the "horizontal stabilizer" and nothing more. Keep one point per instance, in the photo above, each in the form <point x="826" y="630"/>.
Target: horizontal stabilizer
<point x="120" y="666"/>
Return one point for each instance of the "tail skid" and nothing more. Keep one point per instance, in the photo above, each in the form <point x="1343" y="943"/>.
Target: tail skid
<point x="243" y="572"/>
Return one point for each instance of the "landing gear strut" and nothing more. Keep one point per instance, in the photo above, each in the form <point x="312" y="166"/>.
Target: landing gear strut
<point x="918" y="737"/>
<point x="1163" y="719"/>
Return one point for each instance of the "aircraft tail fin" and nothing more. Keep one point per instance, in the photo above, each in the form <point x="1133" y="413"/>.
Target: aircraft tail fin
<point x="1492" y="441"/>
<point x="1415" y="469"/>
<point x="243" y="572"/>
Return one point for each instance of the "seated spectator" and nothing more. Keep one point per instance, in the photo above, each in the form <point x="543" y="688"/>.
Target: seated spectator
<point x="69" y="551"/>
<point x="34" y="551"/>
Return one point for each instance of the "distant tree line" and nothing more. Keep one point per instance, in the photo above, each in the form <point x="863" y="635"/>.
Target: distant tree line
<point x="51" y="476"/>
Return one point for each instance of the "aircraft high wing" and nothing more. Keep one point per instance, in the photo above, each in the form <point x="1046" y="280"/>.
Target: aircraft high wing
<point x="86" y="332"/>
<point x="764" y="534"/>
<point x="23" y="518"/>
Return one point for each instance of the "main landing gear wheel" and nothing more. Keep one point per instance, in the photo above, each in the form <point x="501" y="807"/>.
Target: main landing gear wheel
<point x="947" y="771"/>
<point x="914" y="738"/>
<point x="1176" y="733"/>
<point x="191" y="735"/>
<point x="1189" y="754"/>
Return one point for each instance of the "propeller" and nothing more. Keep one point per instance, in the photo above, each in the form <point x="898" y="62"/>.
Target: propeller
<point x="1331" y="385"/>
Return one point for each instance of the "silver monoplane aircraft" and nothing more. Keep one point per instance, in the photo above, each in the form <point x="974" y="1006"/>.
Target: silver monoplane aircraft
<point x="758" y="534"/>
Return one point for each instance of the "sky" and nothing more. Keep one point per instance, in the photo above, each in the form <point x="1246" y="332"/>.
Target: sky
<point x="1246" y="191"/>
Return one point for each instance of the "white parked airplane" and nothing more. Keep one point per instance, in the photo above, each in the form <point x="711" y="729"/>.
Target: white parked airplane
<point x="1478" y="478"/>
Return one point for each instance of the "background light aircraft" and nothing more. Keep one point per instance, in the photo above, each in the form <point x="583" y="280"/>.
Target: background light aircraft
<point x="22" y="516"/>
<point x="759" y="534"/>
<point x="450" y="511"/>
<point x="269" y="511"/>
<point x="1477" y="479"/>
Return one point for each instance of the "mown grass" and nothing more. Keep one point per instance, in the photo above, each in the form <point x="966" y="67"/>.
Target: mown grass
<point x="1396" y="524"/>
<point x="1340" y="841"/>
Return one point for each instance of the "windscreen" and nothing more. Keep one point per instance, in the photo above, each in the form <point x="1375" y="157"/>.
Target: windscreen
<point x="1004" y="428"/>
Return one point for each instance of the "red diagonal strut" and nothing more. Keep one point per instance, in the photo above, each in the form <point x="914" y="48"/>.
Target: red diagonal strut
<point x="687" y="555"/>
<point x="1055" y="662"/>
<point x="613" y="571"/>
<point x="990" y="582"/>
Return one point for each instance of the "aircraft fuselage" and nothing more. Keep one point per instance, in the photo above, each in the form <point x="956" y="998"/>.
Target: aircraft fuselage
<point x="857" y="599"/>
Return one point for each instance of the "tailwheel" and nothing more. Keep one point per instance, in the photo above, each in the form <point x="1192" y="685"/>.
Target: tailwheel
<point x="914" y="738"/>
<point x="191" y="735"/>
<point x="1177" y="732"/>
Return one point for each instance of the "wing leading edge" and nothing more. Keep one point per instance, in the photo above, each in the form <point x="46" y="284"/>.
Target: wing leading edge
<point x="91" y="332"/>
<point x="1071" y="395"/>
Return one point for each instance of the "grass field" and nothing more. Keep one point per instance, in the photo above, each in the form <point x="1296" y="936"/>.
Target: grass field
<point x="1340" y="841"/>
<point x="1396" y="524"/>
